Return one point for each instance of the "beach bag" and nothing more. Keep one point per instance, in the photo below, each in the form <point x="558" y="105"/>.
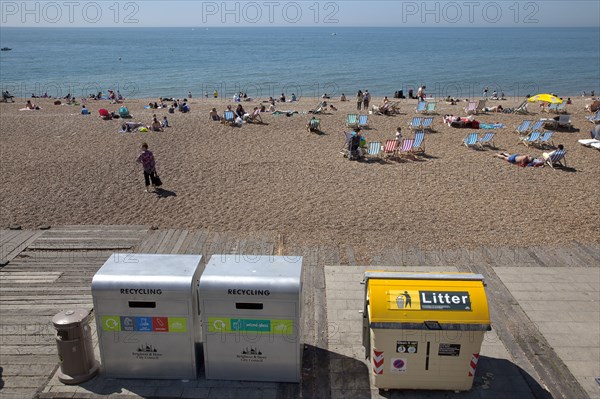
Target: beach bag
<point x="156" y="180"/>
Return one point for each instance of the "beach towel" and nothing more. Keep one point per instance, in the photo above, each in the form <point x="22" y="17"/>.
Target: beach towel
<point x="489" y="126"/>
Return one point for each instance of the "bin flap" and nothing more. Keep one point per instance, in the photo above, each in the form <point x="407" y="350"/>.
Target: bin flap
<point x="427" y="300"/>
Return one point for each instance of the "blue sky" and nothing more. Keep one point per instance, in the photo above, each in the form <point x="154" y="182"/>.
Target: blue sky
<point x="191" y="13"/>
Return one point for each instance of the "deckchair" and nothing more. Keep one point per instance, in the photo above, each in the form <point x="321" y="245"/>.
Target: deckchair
<point x="561" y="108"/>
<point x="531" y="139"/>
<point x="229" y="117"/>
<point x="550" y="108"/>
<point x="524" y="126"/>
<point x="487" y="139"/>
<point x="348" y="138"/>
<point x="394" y="108"/>
<point x="427" y="123"/>
<point x="406" y="147"/>
<point x="363" y="121"/>
<point x="430" y="109"/>
<point x="415" y="123"/>
<point x="471" y="108"/>
<point x="546" y="139"/>
<point x="418" y="146"/>
<point x="557" y="158"/>
<point x="594" y="118"/>
<point x="471" y="140"/>
<point x="421" y="107"/>
<point x="480" y="107"/>
<point x="352" y="120"/>
<point x="314" y="125"/>
<point x="536" y="126"/>
<point x="390" y="148"/>
<point x="522" y="108"/>
<point x="374" y="149"/>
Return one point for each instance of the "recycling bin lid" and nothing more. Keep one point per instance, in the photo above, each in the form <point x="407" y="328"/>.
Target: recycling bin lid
<point x="232" y="275"/>
<point x="132" y="273"/>
<point x="70" y="317"/>
<point x="427" y="300"/>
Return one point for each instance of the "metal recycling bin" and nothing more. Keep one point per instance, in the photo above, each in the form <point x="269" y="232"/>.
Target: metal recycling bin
<point x="251" y="312"/>
<point x="424" y="330"/>
<point x="74" y="345"/>
<point x="146" y="315"/>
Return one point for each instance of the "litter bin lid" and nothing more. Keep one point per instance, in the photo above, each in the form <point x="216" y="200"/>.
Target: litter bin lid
<point x="409" y="298"/>
<point x="70" y="317"/>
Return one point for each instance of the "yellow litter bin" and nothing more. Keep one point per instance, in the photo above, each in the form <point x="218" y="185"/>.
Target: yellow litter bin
<point x="424" y="330"/>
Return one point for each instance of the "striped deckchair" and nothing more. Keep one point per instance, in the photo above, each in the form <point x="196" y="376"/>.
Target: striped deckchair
<point x="415" y="123"/>
<point x="374" y="149"/>
<point x="471" y="108"/>
<point x="421" y="107"/>
<point x="363" y="121"/>
<point x="550" y="108"/>
<point x="487" y="139"/>
<point x="352" y="120"/>
<point x="430" y="108"/>
<point x="531" y="139"/>
<point x="594" y="118"/>
<point x="471" y="140"/>
<point x="229" y="117"/>
<point x="537" y="125"/>
<point x="427" y="123"/>
<point x="546" y="139"/>
<point x="418" y="146"/>
<point x="390" y="148"/>
<point x="523" y="128"/>
<point x="557" y="158"/>
<point x="406" y="147"/>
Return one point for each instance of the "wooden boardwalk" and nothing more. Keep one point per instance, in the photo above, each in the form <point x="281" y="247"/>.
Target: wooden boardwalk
<point x="51" y="269"/>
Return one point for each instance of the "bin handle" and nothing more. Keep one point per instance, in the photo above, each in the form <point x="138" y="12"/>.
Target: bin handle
<point x="432" y="325"/>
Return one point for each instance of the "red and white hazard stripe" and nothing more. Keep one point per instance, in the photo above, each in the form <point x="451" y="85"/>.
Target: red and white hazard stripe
<point x="473" y="364"/>
<point x="377" y="362"/>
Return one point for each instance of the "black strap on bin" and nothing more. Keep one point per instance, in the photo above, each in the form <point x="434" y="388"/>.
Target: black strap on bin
<point x="431" y="325"/>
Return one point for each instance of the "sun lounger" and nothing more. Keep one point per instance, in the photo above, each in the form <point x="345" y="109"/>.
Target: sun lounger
<point x="363" y="121"/>
<point x="557" y="158"/>
<point x="487" y="139"/>
<point x="415" y="123"/>
<point x="471" y="140"/>
<point x="374" y="149"/>
<point x="564" y="121"/>
<point x="531" y="139"/>
<point x="390" y="148"/>
<point x="352" y="120"/>
<point x="588" y="142"/>
<point x="418" y="146"/>
<point x="546" y="139"/>
<point x="421" y="107"/>
<point x="523" y="128"/>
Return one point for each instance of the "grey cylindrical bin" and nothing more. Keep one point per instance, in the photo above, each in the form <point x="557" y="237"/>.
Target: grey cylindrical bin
<point x="74" y="344"/>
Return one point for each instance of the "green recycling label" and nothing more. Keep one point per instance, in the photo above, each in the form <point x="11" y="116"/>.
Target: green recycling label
<point x="233" y="325"/>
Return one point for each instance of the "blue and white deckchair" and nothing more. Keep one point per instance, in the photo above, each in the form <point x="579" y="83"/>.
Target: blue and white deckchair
<point x="531" y="139"/>
<point x="427" y="123"/>
<point x="363" y="121"/>
<point x="374" y="149"/>
<point x="524" y="126"/>
<point x="487" y="139"/>
<point x="415" y="123"/>
<point x="471" y="140"/>
<point x="546" y="139"/>
<point x="418" y="146"/>
<point x="594" y="118"/>
<point x="557" y="158"/>
<point x="352" y="120"/>
<point x="430" y="108"/>
<point x="537" y="125"/>
<point x="421" y="107"/>
<point x="229" y="117"/>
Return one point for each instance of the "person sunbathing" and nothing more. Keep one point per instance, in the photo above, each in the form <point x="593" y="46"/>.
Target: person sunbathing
<point x="29" y="105"/>
<point x="517" y="159"/>
<point x="156" y="126"/>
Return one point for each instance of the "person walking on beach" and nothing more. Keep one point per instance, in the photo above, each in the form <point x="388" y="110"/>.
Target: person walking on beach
<point x="366" y="99"/>
<point x="359" y="99"/>
<point x="485" y="93"/>
<point x="146" y="158"/>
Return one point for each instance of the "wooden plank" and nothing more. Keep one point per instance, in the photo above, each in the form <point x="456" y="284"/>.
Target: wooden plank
<point x="146" y="245"/>
<point x="179" y="243"/>
<point x="18" y="243"/>
<point x="89" y="246"/>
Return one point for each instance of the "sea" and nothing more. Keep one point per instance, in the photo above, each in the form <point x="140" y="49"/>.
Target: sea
<point x="309" y="62"/>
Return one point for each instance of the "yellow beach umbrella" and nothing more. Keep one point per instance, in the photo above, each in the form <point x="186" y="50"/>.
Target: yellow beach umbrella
<point x="549" y="98"/>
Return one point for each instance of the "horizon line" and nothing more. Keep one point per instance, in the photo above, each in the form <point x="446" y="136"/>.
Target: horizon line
<point x="296" y="26"/>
